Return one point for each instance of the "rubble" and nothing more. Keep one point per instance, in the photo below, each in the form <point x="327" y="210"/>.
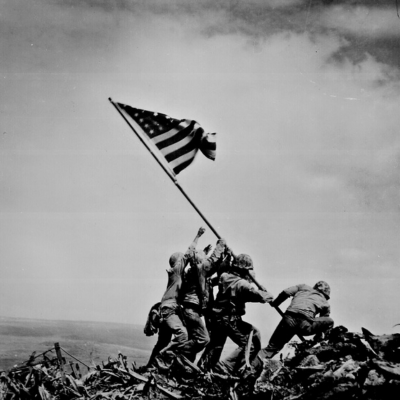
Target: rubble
<point x="344" y="365"/>
<point x="49" y="376"/>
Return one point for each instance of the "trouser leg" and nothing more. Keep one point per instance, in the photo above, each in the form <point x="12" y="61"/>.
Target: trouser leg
<point x="256" y="344"/>
<point x="319" y="325"/>
<point x="285" y="330"/>
<point x="213" y="350"/>
<point x="164" y="338"/>
<point x="175" y="324"/>
<point x="197" y="332"/>
<point x="208" y="318"/>
<point x="322" y="324"/>
<point x="239" y="331"/>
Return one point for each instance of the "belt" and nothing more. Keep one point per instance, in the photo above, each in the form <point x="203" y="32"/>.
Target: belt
<point x="298" y="315"/>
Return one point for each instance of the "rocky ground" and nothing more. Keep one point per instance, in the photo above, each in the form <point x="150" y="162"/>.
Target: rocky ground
<point x="345" y="365"/>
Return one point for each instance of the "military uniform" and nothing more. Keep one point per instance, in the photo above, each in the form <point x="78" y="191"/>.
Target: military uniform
<point x="171" y="318"/>
<point x="229" y="307"/>
<point x="300" y="317"/>
<point x="195" y="297"/>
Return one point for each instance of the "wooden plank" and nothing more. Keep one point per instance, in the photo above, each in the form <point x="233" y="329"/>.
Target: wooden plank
<point x="60" y="360"/>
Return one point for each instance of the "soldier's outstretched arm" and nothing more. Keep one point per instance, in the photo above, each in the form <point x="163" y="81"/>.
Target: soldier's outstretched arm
<point x="250" y="294"/>
<point x="213" y="262"/>
<point x="230" y="251"/>
<point x="207" y="249"/>
<point x="199" y="234"/>
<point x="267" y="297"/>
<point x="280" y="299"/>
<point x="193" y="245"/>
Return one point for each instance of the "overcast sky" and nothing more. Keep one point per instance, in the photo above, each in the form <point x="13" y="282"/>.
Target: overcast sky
<point x="304" y="97"/>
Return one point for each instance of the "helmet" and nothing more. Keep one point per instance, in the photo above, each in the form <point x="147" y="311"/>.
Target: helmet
<point x="175" y="258"/>
<point x="324" y="288"/>
<point x="243" y="261"/>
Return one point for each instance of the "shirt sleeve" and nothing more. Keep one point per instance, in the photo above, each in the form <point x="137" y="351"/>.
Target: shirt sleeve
<point x="285" y="294"/>
<point x="280" y="299"/>
<point x="201" y="286"/>
<point x="292" y="290"/>
<point x="212" y="264"/>
<point x="251" y="295"/>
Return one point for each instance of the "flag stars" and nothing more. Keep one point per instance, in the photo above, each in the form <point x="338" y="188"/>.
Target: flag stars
<point x="154" y="124"/>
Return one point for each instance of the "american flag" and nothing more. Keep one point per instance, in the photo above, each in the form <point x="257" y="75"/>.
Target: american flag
<point x="177" y="140"/>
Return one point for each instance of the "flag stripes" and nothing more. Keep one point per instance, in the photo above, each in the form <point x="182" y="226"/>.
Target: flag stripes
<point x="177" y="140"/>
<point x="178" y="135"/>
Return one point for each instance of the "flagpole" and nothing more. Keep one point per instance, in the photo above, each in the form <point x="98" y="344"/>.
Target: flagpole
<point x="172" y="177"/>
<point x="166" y="170"/>
<point x="195" y="207"/>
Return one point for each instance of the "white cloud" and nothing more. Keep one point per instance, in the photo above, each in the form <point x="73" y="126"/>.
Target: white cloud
<point x="361" y="21"/>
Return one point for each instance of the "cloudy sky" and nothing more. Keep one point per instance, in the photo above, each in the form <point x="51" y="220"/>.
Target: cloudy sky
<point x="304" y="96"/>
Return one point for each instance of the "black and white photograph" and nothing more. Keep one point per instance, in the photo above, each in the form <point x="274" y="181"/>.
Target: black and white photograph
<point x="199" y="199"/>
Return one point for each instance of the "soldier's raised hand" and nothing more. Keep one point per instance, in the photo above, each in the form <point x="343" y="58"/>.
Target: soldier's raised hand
<point x="229" y="251"/>
<point x="207" y="249"/>
<point x="267" y="297"/>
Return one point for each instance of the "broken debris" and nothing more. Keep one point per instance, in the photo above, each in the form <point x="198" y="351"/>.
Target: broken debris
<point x="345" y="365"/>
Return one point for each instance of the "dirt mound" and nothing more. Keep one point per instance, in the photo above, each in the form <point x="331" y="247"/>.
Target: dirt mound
<point x="345" y="365"/>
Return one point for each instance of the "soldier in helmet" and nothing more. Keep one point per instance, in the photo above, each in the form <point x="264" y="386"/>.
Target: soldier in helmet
<point x="300" y="317"/>
<point x="235" y="290"/>
<point x="170" y="309"/>
<point x="194" y="296"/>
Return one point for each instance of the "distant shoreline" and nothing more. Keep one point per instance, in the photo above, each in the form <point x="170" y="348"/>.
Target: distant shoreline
<point x="90" y="341"/>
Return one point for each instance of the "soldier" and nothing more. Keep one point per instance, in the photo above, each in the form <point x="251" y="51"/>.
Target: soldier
<point x="300" y="317"/>
<point x="213" y="350"/>
<point x="170" y="310"/>
<point x="195" y="296"/>
<point x="155" y="324"/>
<point x="235" y="289"/>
